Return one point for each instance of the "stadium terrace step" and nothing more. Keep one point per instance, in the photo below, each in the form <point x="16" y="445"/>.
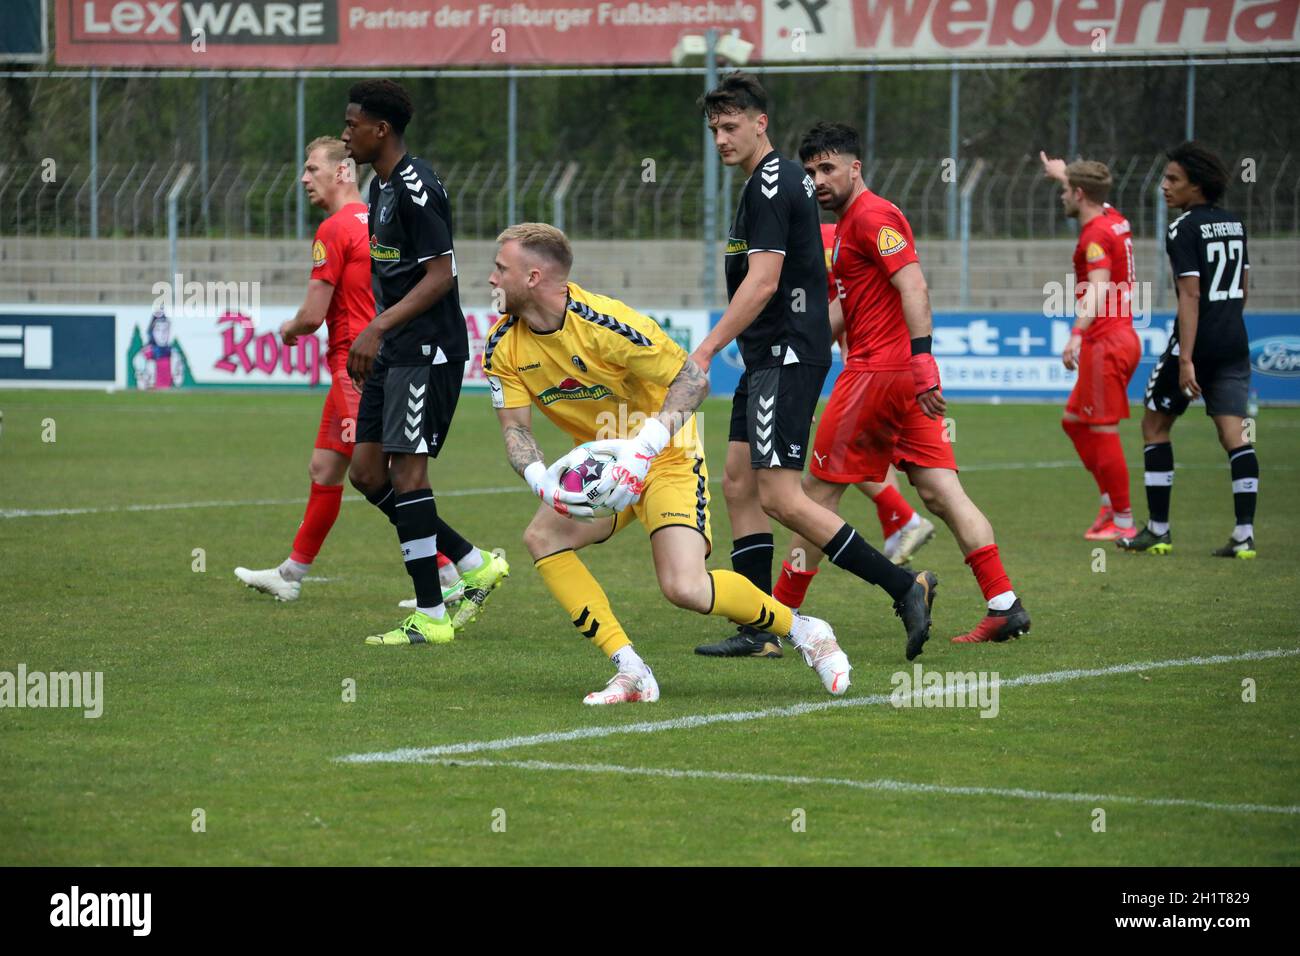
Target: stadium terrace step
<point x="1004" y="274"/>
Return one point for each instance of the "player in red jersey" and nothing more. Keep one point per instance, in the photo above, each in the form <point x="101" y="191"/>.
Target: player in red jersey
<point x="1103" y="346"/>
<point x="339" y="296"/>
<point x="904" y="531"/>
<point x="887" y="405"/>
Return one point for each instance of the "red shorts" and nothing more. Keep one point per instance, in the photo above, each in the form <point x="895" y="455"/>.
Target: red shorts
<point x="338" y="420"/>
<point x="1106" y="364"/>
<point x="871" y="422"/>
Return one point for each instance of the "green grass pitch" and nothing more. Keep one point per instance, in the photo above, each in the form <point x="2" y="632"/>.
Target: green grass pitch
<point x="220" y="700"/>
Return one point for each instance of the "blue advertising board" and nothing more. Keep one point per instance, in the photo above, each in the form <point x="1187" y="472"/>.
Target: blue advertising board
<point x="52" y="347"/>
<point x="1017" y="356"/>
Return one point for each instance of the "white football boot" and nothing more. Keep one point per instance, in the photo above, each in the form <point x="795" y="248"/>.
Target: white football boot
<point x="626" y="688"/>
<point x="816" y="642"/>
<point x="270" y="582"/>
<point x="911" y="540"/>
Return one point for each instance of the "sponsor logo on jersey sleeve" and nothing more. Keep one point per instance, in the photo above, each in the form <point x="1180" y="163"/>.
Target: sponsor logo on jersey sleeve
<point x="1094" y="252"/>
<point x="890" y="241"/>
<point x="498" y="394"/>
<point x="317" y="254"/>
<point x="737" y="245"/>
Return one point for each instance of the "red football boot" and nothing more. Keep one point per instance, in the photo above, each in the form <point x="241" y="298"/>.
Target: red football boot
<point x="1110" y="531"/>
<point x="1105" y="516"/>
<point x="998" y="626"/>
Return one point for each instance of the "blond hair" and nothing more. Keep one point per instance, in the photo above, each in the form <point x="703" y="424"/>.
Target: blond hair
<point x="1090" y="176"/>
<point x="541" y="239"/>
<point x="335" y="152"/>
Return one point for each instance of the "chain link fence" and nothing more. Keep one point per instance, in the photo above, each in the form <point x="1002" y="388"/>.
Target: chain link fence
<point x="257" y="200"/>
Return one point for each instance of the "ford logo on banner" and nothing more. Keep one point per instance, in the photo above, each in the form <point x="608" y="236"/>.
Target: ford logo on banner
<point x="1276" y="355"/>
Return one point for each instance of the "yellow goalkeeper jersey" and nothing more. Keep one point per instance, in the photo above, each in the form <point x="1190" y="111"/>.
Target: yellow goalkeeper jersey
<point x="598" y="376"/>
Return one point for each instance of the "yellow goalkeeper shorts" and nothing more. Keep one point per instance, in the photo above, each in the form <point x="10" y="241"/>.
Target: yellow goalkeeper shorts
<point x="676" y="493"/>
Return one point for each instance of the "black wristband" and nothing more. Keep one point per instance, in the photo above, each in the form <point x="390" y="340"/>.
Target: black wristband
<point x="921" y="345"/>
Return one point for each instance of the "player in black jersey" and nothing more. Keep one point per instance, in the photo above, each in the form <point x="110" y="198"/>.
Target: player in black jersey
<point x="409" y="362"/>
<point x="776" y="283"/>
<point x="1208" y="353"/>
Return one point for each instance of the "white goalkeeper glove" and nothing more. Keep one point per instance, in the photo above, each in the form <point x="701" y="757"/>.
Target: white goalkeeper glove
<point x="545" y="483"/>
<point x="624" y="480"/>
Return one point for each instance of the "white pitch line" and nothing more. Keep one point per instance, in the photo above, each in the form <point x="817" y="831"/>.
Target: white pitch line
<point x="466" y="492"/>
<point x="421" y="754"/>
<point x="895" y="786"/>
<point x="255" y="503"/>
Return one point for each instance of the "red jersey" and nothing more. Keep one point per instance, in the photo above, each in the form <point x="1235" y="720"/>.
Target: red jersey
<point x="341" y="256"/>
<point x="873" y="241"/>
<point x="828" y="242"/>
<point x="1106" y="242"/>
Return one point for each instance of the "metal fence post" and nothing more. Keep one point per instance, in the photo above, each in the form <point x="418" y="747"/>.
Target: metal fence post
<point x="172" y="195"/>
<point x="301" y="228"/>
<point x="94" y="155"/>
<point x="1073" y="152"/>
<point x="710" y="176"/>
<point x="512" y="144"/>
<point x="1191" y="100"/>
<point x="966" y="189"/>
<point x="561" y="194"/>
<point x="203" y="149"/>
<point x="954" y="100"/>
<point x="871" y="115"/>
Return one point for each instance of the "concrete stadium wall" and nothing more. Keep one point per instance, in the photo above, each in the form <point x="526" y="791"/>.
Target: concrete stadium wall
<point x="1005" y="274"/>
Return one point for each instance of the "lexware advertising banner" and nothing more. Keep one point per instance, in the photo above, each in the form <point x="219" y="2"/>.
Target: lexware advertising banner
<point x="306" y="34"/>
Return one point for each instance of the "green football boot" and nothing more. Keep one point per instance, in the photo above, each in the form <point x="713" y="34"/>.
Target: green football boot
<point x="1146" y="541"/>
<point x="418" y="628"/>
<point x="479" y="584"/>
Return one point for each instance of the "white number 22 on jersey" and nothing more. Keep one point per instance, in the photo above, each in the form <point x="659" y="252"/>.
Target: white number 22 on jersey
<point x="1220" y="254"/>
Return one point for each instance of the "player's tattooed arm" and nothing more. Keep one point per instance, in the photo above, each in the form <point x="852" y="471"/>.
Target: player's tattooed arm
<point x="686" y="393"/>
<point x="521" y="445"/>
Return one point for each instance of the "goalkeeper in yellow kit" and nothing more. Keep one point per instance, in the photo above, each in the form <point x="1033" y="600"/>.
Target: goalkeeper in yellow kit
<point x="589" y="362"/>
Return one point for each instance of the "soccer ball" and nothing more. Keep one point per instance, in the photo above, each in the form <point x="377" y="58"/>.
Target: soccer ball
<point x="585" y="478"/>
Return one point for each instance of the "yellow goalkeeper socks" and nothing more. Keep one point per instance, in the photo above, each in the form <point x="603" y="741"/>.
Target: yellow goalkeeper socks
<point x="736" y="598"/>
<point x="583" y="599"/>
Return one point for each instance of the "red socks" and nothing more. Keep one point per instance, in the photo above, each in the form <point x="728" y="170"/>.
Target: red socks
<point x="322" y="510"/>
<point x="893" y="511"/>
<point x="1111" y="470"/>
<point x="792" y="586"/>
<point x="988" y="570"/>
<point x="1085" y="443"/>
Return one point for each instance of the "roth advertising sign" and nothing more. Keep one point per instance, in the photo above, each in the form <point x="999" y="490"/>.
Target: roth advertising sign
<point x="302" y="34"/>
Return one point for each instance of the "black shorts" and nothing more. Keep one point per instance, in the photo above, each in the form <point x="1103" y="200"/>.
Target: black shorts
<point x="772" y="410"/>
<point x="409" y="407"/>
<point x="1225" y="386"/>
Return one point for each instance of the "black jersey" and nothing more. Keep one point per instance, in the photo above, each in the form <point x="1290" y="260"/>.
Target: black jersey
<point x="1210" y="242"/>
<point x="410" y="223"/>
<point x="777" y="213"/>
